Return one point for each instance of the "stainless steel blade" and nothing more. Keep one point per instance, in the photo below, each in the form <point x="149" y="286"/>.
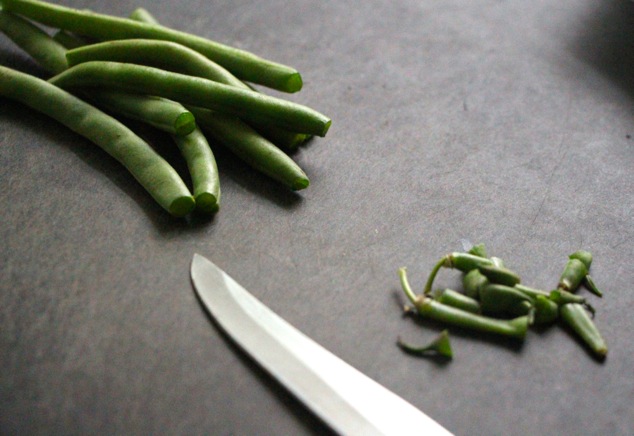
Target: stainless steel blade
<point x="344" y="398"/>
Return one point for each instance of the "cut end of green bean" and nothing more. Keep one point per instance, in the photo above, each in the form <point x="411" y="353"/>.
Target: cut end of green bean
<point x="182" y="206"/>
<point x="300" y="183"/>
<point x="207" y="203"/>
<point x="294" y="83"/>
<point x="184" y="124"/>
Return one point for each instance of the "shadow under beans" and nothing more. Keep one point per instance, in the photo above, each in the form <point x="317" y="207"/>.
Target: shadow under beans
<point x="605" y="41"/>
<point x="313" y="424"/>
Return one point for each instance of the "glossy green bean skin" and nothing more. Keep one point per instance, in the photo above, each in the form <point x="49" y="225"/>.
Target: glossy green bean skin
<point x="203" y="170"/>
<point x="33" y="40"/>
<point x="583" y="256"/>
<point x="572" y="276"/>
<point x="531" y="292"/>
<point x="252" y="148"/>
<point x="500" y="275"/>
<point x="456" y="299"/>
<point x="150" y="170"/>
<point x="165" y="55"/>
<point x="242" y="64"/>
<point x="576" y="316"/>
<point x="196" y="91"/>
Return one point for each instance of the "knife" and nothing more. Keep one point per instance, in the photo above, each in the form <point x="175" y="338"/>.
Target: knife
<point x="345" y="399"/>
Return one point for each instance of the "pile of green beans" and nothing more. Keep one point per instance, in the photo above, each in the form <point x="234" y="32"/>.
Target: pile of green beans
<point x="494" y="301"/>
<point x="187" y="86"/>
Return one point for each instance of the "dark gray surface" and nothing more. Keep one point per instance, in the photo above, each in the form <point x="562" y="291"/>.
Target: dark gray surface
<point x="505" y="122"/>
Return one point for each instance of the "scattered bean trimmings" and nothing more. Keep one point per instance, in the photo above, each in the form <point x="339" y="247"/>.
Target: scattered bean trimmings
<point x="494" y="301"/>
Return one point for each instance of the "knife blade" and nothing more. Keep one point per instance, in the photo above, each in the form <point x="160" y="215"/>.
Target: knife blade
<point x="345" y="399"/>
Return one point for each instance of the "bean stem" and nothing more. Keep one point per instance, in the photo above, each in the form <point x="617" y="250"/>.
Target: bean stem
<point x="244" y="65"/>
<point x="150" y="170"/>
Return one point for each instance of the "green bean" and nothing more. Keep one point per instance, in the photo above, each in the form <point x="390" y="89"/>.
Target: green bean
<point x="503" y="300"/>
<point x="150" y="170"/>
<point x="589" y="283"/>
<point x="203" y="67"/>
<point x="456" y="299"/>
<point x="576" y="316"/>
<point x="501" y="275"/>
<point x="242" y="64"/>
<point x="195" y="91"/>
<point x="441" y="345"/>
<point x="432" y="309"/>
<point x="165" y="55"/>
<point x="202" y="168"/>
<point x="47" y="52"/>
<point x="472" y="282"/>
<point x="161" y="113"/>
<point x="252" y="148"/>
<point x="572" y="276"/>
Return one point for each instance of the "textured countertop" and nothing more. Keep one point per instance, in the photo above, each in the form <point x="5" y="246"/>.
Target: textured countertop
<point x="503" y="122"/>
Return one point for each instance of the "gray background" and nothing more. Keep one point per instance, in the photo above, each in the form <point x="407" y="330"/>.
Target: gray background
<point x="504" y="122"/>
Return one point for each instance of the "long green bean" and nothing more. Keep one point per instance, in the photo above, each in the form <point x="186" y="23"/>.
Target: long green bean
<point x="251" y="147"/>
<point x="165" y="55"/>
<point x="244" y="65"/>
<point x="202" y="168"/>
<point x="196" y="91"/>
<point x="150" y="170"/>
<point x="202" y="66"/>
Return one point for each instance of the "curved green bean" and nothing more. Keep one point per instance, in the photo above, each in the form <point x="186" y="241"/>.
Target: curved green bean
<point x="33" y="40"/>
<point x="252" y="148"/>
<point x="202" y="168"/>
<point x="150" y="170"/>
<point x="576" y="316"/>
<point x="464" y="262"/>
<point x="242" y="64"/>
<point x="473" y="282"/>
<point x="165" y="55"/>
<point x="501" y="299"/>
<point x="196" y="91"/>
